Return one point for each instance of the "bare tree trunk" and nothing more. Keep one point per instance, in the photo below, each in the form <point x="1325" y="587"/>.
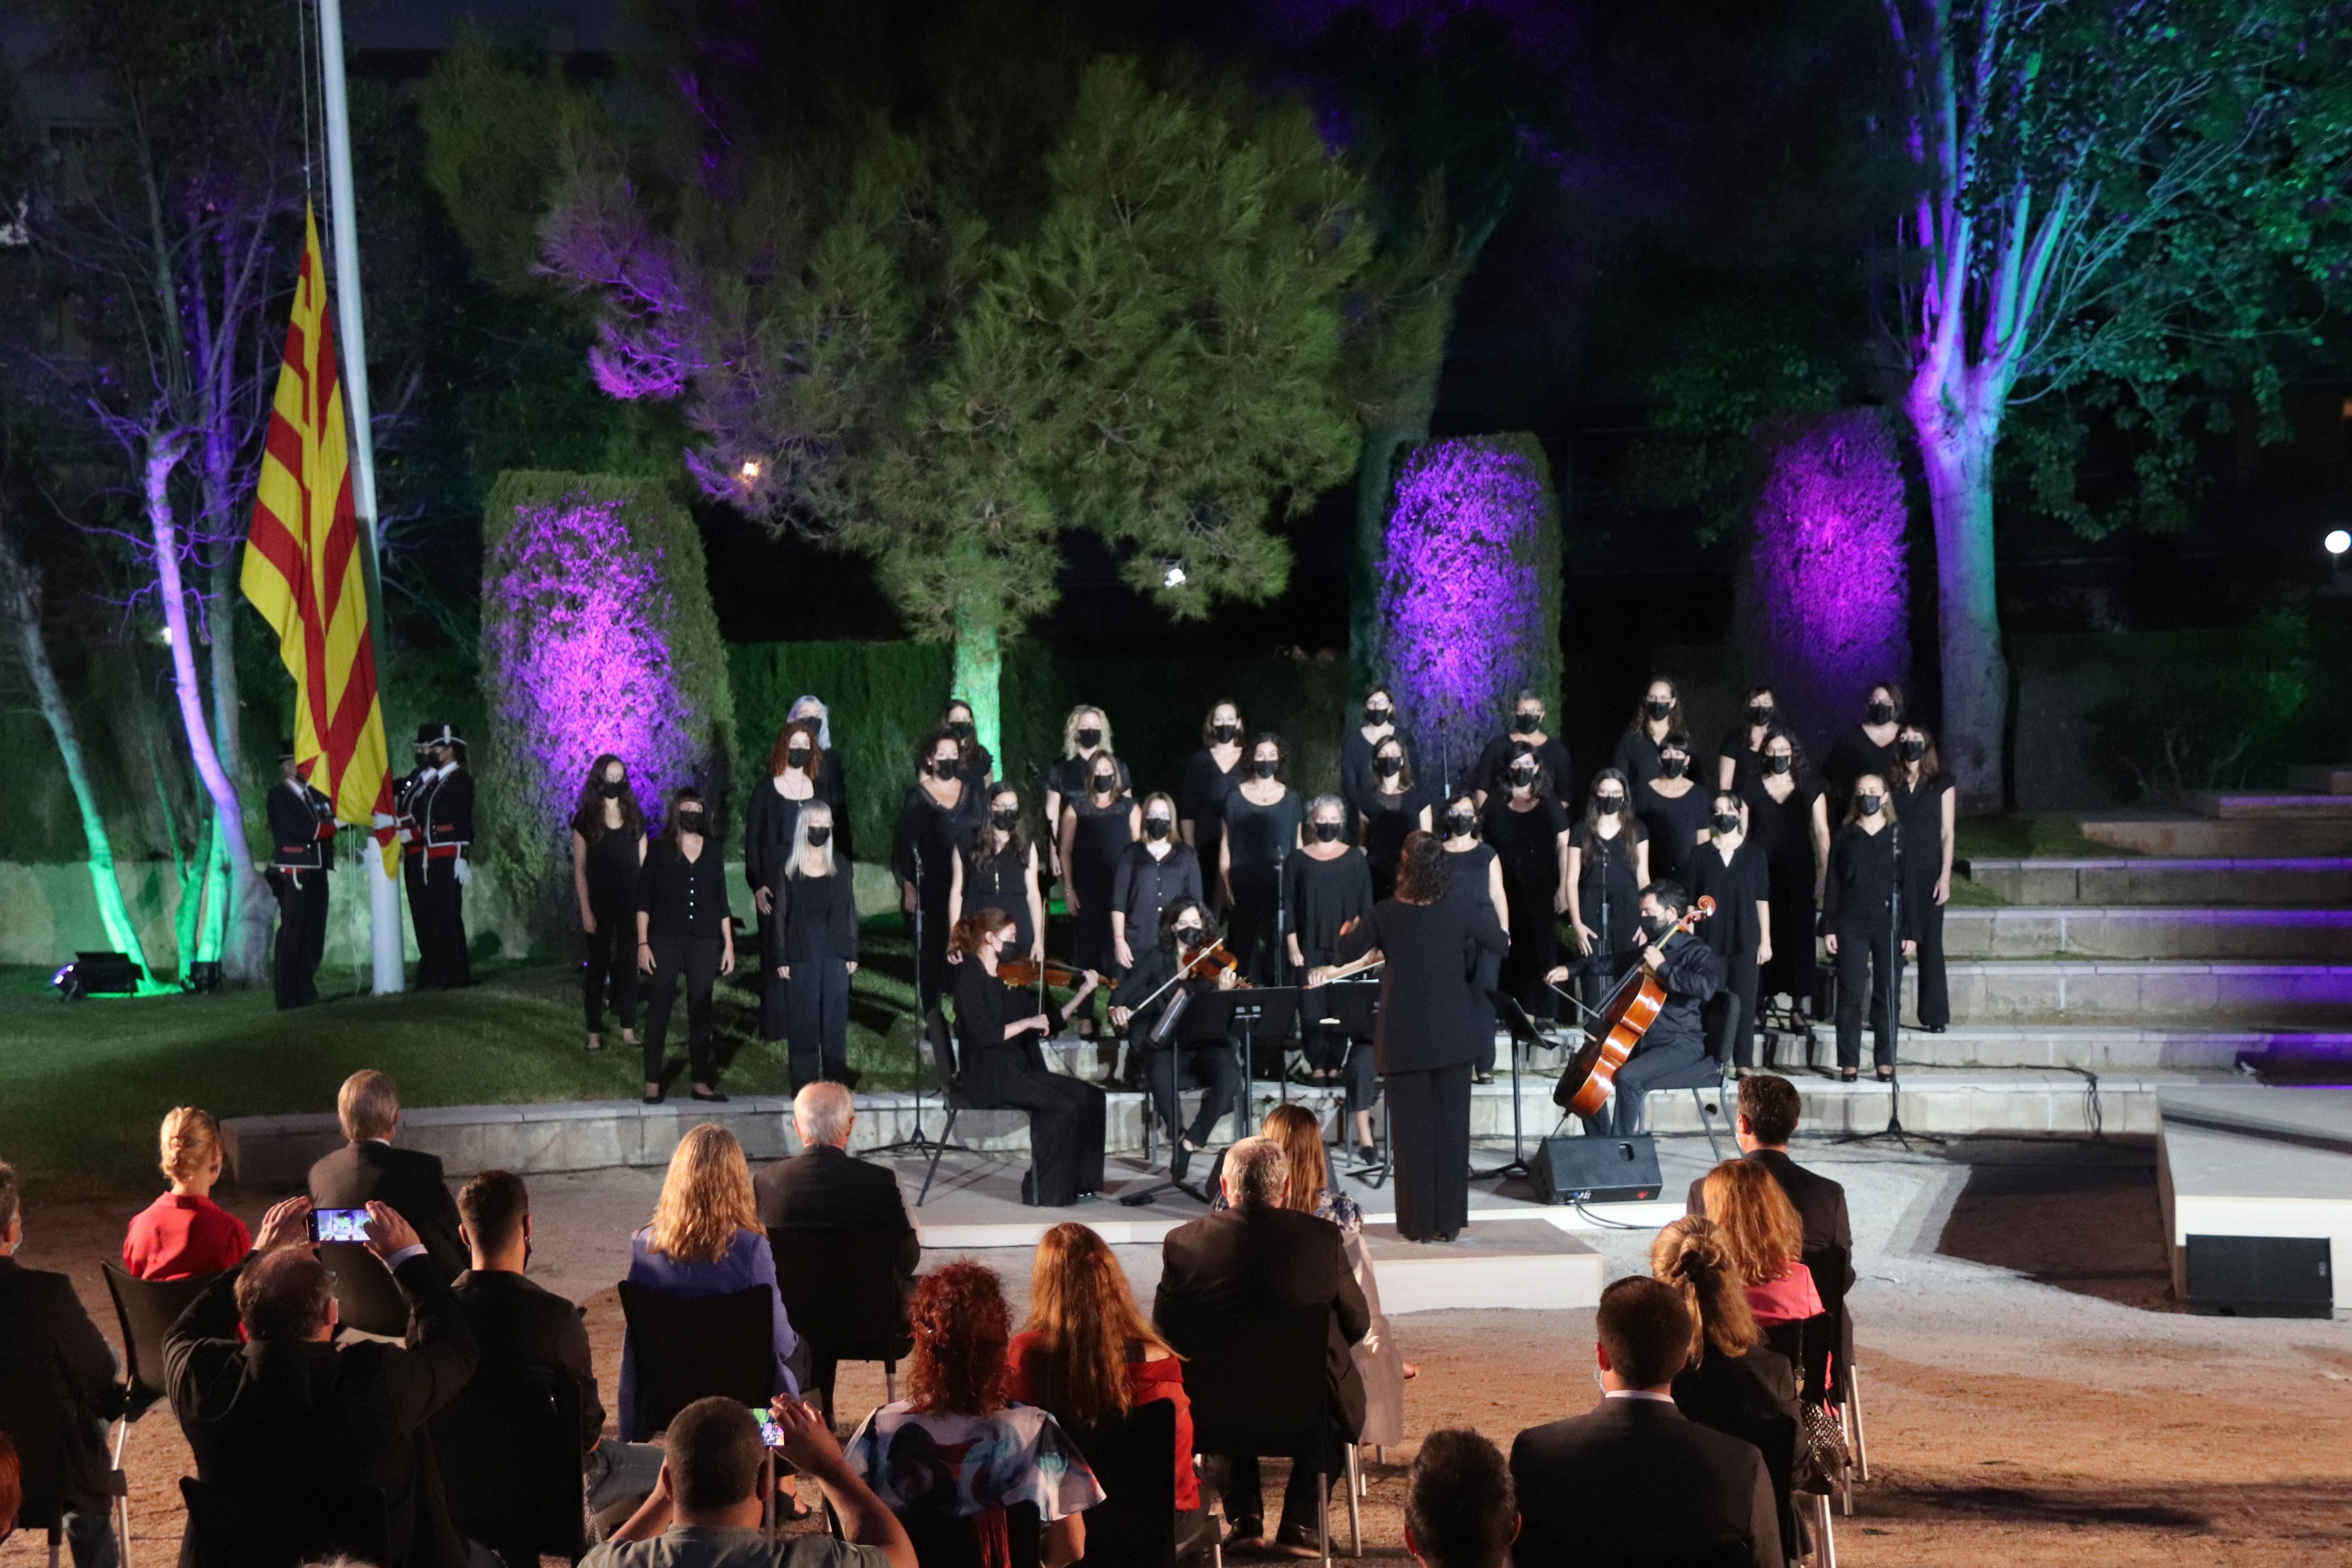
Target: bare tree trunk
<point x="1956" y="453"/>
<point x="978" y="678"/>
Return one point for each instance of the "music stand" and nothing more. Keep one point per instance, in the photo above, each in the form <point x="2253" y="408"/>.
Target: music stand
<point x="1208" y="1015"/>
<point x="1355" y="1006"/>
<point x="1245" y="1014"/>
<point x="1524" y="1035"/>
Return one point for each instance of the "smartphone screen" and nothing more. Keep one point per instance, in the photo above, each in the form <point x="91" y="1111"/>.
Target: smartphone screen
<point x="338" y="1224"/>
<point x="769" y="1433"/>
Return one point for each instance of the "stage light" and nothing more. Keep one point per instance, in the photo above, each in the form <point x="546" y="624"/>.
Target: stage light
<point x="749" y="470"/>
<point x="98" y="975"/>
<point x="2338" y="541"/>
<point x="1175" y="578"/>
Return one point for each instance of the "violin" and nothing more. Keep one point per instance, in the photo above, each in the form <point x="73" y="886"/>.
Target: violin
<point x="1020" y="973"/>
<point x="1617" y="1028"/>
<point x="1211" y="961"/>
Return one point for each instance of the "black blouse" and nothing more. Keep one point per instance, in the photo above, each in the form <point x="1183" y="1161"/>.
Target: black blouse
<point x="1357" y="784"/>
<point x="1860" y="891"/>
<point x="1262" y="834"/>
<point x="1389" y="819"/>
<point x="1143" y="886"/>
<point x="1736" y="888"/>
<point x="612" y="868"/>
<point x="1070" y="777"/>
<point x="1202" y="801"/>
<point x="770" y="818"/>
<point x="1673" y="826"/>
<point x="1493" y="771"/>
<point x="1430" y="1011"/>
<point x="685" y="899"/>
<point x="1527" y="843"/>
<point x="928" y="834"/>
<point x="987" y="1064"/>
<point x="1851" y="755"/>
<point x="1636" y="756"/>
<point x="1324" y="895"/>
<point x="1920" y="813"/>
<point x="820" y="917"/>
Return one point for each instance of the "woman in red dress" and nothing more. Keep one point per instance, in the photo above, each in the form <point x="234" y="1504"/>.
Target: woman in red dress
<point x="184" y="1233"/>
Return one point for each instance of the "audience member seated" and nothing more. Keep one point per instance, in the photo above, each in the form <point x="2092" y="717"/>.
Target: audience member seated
<point x="184" y="1233"/>
<point x="954" y="1449"/>
<point x="824" y="1187"/>
<point x="272" y="1404"/>
<point x="368" y="1169"/>
<point x="42" y="1322"/>
<point x="519" y="1328"/>
<point x="705" y="1508"/>
<point x="1635" y="1480"/>
<point x="1765" y="1240"/>
<point x="1259" y="1257"/>
<point x="1769" y="1111"/>
<point x="1460" y="1511"/>
<point x="12" y="1488"/>
<point x="1087" y="1355"/>
<point x="706" y="1239"/>
<point x="1733" y="1381"/>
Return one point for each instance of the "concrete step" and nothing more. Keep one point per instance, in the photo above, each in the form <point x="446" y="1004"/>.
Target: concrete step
<point x="2293" y="882"/>
<point x="2325" y="778"/>
<point x="2268" y="805"/>
<point x="2147" y="930"/>
<point x="2183" y="834"/>
<point x="2080" y="1048"/>
<point x="2145" y="992"/>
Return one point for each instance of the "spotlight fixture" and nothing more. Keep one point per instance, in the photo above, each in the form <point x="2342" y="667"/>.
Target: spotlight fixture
<point x="749" y="470"/>
<point x="2338" y="541"/>
<point x="1174" y="579"/>
<point x="97" y="975"/>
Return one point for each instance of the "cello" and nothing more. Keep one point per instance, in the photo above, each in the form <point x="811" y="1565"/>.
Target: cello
<point x="1617" y="1029"/>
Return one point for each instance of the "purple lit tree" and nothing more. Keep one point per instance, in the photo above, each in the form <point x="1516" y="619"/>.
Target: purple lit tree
<point x="597" y="635"/>
<point x="1830" y="607"/>
<point x="1469" y="602"/>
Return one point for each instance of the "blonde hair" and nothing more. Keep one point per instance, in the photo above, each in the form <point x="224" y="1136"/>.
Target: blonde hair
<point x="1758" y="1225"/>
<point x="1308" y="1169"/>
<point x="1070" y="727"/>
<point x="705" y="1199"/>
<point x="796" y="865"/>
<point x="191" y="1143"/>
<point x="1690" y="1256"/>
<point x="1083" y="1313"/>
<point x="368" y="1105"/>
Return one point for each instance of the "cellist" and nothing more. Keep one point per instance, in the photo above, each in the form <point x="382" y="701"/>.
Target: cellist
<point x="1690" y="973"/>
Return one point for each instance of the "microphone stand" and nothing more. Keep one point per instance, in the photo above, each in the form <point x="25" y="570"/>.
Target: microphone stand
<point x="1893" y="972"/>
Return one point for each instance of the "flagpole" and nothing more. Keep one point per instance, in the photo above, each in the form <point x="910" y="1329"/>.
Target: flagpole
<point x="384" y="893"/>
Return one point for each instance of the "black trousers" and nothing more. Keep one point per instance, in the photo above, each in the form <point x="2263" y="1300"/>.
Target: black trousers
<point x="1863" y="975"/>
<point x="775" y="1003"/>
<point x="438" y="905"/>
<point x="696" y="961"/>
<point x="1246" y="1498"/>
<point x="1490" y="978"/>
<point x="1211" y="1063"/>
<point x="611" y="970"/>
<point x="1429" y="1139"/>
<point x="818" y="1015"/>
<point x="1065" y="1130"/>
<point x="302" y="934"/>
<point x="1535" y="949"/>
<point x="1934" y="1000"/>
<point x="1655" y="1061"/>
<point x="1739" y="988"/>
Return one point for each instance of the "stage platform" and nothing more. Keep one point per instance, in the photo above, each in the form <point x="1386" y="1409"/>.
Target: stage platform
<point x="2250" y="1161"/>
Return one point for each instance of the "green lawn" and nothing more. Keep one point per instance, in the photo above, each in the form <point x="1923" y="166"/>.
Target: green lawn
<point x="83" y="1085"/>
<point x="2016" y="835"/>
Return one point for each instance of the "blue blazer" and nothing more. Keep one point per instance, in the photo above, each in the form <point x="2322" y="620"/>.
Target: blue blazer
<point x="748" y="1263"/>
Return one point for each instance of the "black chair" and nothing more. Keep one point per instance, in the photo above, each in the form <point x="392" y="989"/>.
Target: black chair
<point x="284" y="1528"/>
<point x="45" y="1423"/>
<point x="146" y="1310"/>
<point x="1259" y="1384"/>
<point x="367" y="1298"/>
<point x="1707" y="1074"/>
<point x="843" y="1296"/>
<point x="951" y="1541"/>
<point x="1134" y="1456"/>
<point x="686" y="1348"/>
<point x="508" y="1451"/>
<point x="941" y="1040"/>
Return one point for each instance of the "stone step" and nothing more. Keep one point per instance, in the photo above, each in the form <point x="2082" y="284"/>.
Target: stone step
<point x="2086" y="1047"/>
<point x="2292" y="882"/>
<point x="2268" y="805"/>
<point x="2142" y="992"/>
<point x="2325" y="778"/>
<point x="2182" y="834"/>
<point x="2147" y="930"/>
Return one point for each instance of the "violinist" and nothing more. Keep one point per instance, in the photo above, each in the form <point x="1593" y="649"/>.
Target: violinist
<point x="999" y="1065"/>
<point x="1690" y="973"/>
<point x="1326" y="886"/>
<point x="1142" y="999"/>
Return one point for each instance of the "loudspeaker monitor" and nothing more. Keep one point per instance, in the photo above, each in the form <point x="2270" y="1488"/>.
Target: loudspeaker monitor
<point x="2261" y="1276"/>
<point x="1595" y="1170"/>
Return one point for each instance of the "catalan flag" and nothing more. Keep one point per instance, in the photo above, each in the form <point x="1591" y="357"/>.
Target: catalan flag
<point x="304" y="573"/>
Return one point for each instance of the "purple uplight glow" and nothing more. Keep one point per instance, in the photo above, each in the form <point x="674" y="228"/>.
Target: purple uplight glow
<point x="1832" y="603"/>
<point x="572" y="611"/>
<point x="1472" y="554"/>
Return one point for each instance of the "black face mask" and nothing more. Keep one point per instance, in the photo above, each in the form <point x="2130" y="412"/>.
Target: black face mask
<point x="1327" y="833"/>
<point x="1523" y="778"/>
<point x="1869" y="804"/>
<point x="1189" y="936"/>
<point x="1264" y="767"/>
<point x="1458" y="824"/>
<point x="1005" y="820"/>
<point x="610" y="788"/>
<point x="944" y="767"/>
<point x="1658" y="707"/>
<point x="1525" y="723"/>
<point x="1758" y="714"/>
<point x="1609" y="804"/>
<point x="1388" y="767"/>
<point x="1882" y="712"/>
<point x="818" y="837"/>
<point x="1660" y="923"/>
<point x="1778" y="764"/>
<point x="1106" y="782"/>
<point x="1157" y="828"/>
<point x="1376" y="716"/>
<point x="1223" y="733"/>
<point x="1727" y="822"/>
<point x="1673" y="767"/>
<point x="1090" y="737"/>
<point x="797" y="756"/>
<point x="1911" y="750"/>
<point x="689" y="822"/>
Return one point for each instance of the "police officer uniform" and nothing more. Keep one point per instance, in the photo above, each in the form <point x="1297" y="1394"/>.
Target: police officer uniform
<point x="302" y="851"/>
<point x="412" y="841"/>
<point x="442" y="807"/>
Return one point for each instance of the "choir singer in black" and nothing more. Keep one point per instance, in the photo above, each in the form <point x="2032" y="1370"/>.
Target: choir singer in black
<point x="1427" y="1039"/>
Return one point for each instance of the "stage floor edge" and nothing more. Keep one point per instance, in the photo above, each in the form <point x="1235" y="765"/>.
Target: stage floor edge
<point x="2249" y="1160"/>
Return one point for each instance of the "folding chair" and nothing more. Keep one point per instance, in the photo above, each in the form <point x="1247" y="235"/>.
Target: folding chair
<point x="146" y="1310"/>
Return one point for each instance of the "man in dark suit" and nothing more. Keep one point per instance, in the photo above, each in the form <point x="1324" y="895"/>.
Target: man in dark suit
<point x="824" y="1187"/>
<point x="1258" y="1257"/>
<point x="60" y="1373"/>
<point x="1578" y="1480"/>
<point x="285" y="1412"/>
<point x="1769" y="1108"/>
<point x="368" y="1169"/>
<point x="1459" y="1509"/>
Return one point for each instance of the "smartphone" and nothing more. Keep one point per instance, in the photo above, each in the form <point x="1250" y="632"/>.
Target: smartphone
<point x="769" y="1433"/>
<point x="338" y="1224"/>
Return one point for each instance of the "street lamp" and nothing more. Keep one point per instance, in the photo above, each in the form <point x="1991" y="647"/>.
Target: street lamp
<point x="2338" y="541"/>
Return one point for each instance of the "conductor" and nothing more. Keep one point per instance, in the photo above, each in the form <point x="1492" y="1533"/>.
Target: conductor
<point x="1427" y="1039"/>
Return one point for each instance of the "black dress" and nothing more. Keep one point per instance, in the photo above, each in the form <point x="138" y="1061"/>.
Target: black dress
<point x="1747" y="762"/>
<point x="1202" y="802"/>
<point x="1320" y="896"/>
<point x="1470" y="880"/>
<point x="612" y="966"/>
<point x="1358" y="783"/>
<point x="1001" y="883"/>
<point x="820" y="942"/>
<point x="1527" y="845"/>
<point x="1388" y="820"/>
<point x="685" y="905"/>
<point x="832" y="784"/>
<point x="1262" y="839"/>
<point x="1636" y="756"/>
<point x="1066" y="1114"/>
<point x="1071" y="777"/>
<point x="770" y="818"/>
<point x="1426" y="1043"/>
<point x="1858" y="909"/>
<point x="1143" y="884"/>
<point x="1493" y="770"/>
<point x="1608" y="867"/>
<point x="1920" y="813"/>
<point x="1733" y="932"/>
<point x="1783" y="830"/>
<point x="1104" y="833"/>
<point x="1673" y="826"/>
<point x="1851" y="755"/>
<point x="922" y="851"/>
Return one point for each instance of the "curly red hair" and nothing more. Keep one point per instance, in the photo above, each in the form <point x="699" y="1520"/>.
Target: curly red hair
<point x="961" y="1331"/>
